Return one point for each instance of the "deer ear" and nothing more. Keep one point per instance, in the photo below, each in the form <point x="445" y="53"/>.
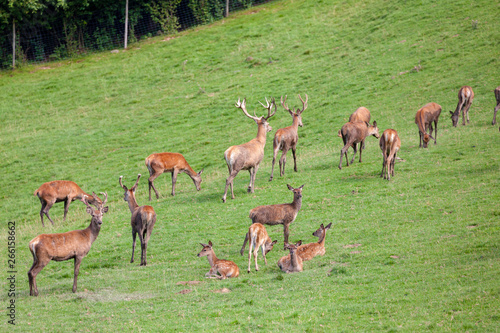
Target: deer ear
<point x="302" y="186"/>
<point x="210" y="243"/>
<point x="299" y="243"/>
<point x="199" y="173"/>
<point x="274" y="242"/>
<point x="321" y="226"/>
<point x="328" y="226"/>
<point x="289" y="187"/>
<point x="374" y="124"/>
<point x="90" y="210"/>
<point x="451" y="113"/>
<point x="105" y="209"/>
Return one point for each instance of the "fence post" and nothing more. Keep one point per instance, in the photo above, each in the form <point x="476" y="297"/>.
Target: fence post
<point x="227" y="8"/>
<point x="13" y="43"/>
<point x="126" y="24"/>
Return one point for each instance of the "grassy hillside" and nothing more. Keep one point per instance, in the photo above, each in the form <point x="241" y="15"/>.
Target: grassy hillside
<point x="418" y="253"/>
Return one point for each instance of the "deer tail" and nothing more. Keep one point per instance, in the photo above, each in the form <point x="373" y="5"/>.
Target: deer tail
<point x="148" y="164"/>
<point x="33" y="251"/>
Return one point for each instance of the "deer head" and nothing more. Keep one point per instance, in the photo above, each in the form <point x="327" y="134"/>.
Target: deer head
<point x="207" y="249"/>
<point x="454" y="118"/>
<point x="197" y="180"/>
<point x="129" y="194"/>
<point x="259" y="120"/>
<point x="297" y="192"/>
<point x="99" y="212"/>
<point x="373" y="130"/>
<point x="297" y="114"/>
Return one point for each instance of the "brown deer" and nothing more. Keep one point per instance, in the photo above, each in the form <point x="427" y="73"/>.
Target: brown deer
<point x="226" y="268"/>
<point x="497" y="96"/>
<point x="61" y="190"/>
<point x="142" y="222"/>
<point x="361" y="114"/>
<point x="465" y="97"/>
<point x="258" y="238"/>
<point x="170" y="162"/>
<point x="248" y="155"/>
<point x="389" y="144"/>
<point x="311" y="250"/>
<point x="286" y="138"/>
<point x="64" y="246"/>
<point x="425" y="116"/>
<point x="354" y="133"/>
<point x="277" y="214"/>
<point x="294" y="264"/>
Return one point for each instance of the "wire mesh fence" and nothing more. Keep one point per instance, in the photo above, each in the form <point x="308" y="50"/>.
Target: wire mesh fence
<point x="40" y="38"/>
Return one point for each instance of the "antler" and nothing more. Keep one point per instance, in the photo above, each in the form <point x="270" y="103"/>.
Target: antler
<point x="105" y="198"/>
<point x="123" y="186"/>
<point x="285" y="106"/>
<point x="269" y="107"/>
<point x="136" y="182"/>
<point x="242" y="106"/>
<point x="304" y="104"/>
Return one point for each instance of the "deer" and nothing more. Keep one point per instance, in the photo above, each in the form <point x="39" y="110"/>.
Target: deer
<point x="361" y="114"/>
<point x="143" y="220"/>
<point x="248" y="155"/>
<point x="465" y="97"/>
<point x="283" y="214"/>
<point x="287" y="138"/>
<point x="497" y="96"/>
<point x="354" y="133"/>
<point x="310" y="250"/>
<point x="424" y="118"/>
<point x="294" y="264"/>
<point x="61" y="190"/>
<point x="389" y="144"/>
<point x="68" y="245"/>
<point x="259" y="238"/>
<point x="226" y="268"/>
<point x="170" y="162"/>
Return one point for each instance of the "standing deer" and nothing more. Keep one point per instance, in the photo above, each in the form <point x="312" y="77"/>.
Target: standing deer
<point x="497" y="96"/>
<point x="258" y="238"/>
<point x="425" y="116"/>
<point x="354" y="133"/>
<point x="311" y="250"/>
<point x="61" y="190"/>
<point x="248" y="155"/>
<point x="361" y="114"/>
<point x="389" y="144"/>
<point x="286" y="138"/>
<point x="226" y="268"/>
<point x="277" y="214"/>
<point x="170" y="162"/>
<point x="64" y="246"/>
<point x="143" y="220"/>
<point x="465" y="97"/>
<point x="294" y="264"/>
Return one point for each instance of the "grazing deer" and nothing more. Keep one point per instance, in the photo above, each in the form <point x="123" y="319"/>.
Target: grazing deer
<point x="170" y="162"/>
<point x="361" y="114"/>
<point x="354" y="133"/>
<point x="143" y="220"/>
<point x="61" y="190"/>
<point x="277" y="214"/>
<point x="425" y="116"/>
<point x="389" y="144"/>
<point x="286" y="138"/>
<point x="248" y="155"/>
<point x="465" y="97"/>
<point x="64" y="246"/>
<point x="258" y="238"/>
<point x="497" y="96"/>
<point x="226" y="268"/>
<point x="294" y="264"/>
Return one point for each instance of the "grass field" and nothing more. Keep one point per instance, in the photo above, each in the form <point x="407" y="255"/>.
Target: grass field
<point x="418" y="253"/>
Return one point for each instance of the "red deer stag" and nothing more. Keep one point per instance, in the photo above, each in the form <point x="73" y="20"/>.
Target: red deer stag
<point x="354" y="133"/>
<point x="248" y="155"/>
<point x="226" y="268"/>
<point x="465" y="97"/>
<point x="258" y="238"/>
<point x="64" y="246"/>
<point x="277" y="214"/>
<point x="294" y="264"/>
<point x="497" y="96"/>
<point x="389" y="144"/>
<point x="61" y="190"/>
<point x="286" y="138"/>
<point x="143" y="220"/>
<point x="425" y="116"/>
<point x="170" y="162"/>
<point x="361" y="114"/>
<point x="311" y="250"/>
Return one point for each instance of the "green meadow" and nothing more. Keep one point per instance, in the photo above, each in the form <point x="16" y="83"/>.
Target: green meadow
<point x="418" y="253"/>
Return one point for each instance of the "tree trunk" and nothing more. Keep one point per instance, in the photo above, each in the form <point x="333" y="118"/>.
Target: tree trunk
<point x="227" y="9"/>
<point x="126" y="24"/>
<point x="13" y="43"/>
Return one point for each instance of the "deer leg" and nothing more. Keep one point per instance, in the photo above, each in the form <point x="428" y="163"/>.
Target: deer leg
<point x="134" y="234"/>
<point x="249" y="189"/>
<point x="32" y="273"/>
<point x="283" y="162"/>
<point x="360" y="151"/>
<point x="354" y="146"/>
<point x="264" y="254"/>
<point x="294" y="159"/>
<point x="66" y="207"/>
<point x="275" y="153"/>
<point x="229" y="182"/>
<point x="286" y="232"/>
<point x="383" y="165"/>
<point x="245" y="243"/>
<point x="151" y="185"/>
<point x="46" y="211"/>
<point x="249" y="255"/>
<point x="78" y="261"/>
<point x="42" y="210"/>
<point x="495" y="114"/>
<point x="252" y="178"/>
<point x="143" y="249"/>
<point x="436" y="131"/>
<point x="255" y="254"/>
<point x="174" y="180"/>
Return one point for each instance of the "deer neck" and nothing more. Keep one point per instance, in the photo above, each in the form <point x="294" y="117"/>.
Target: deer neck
<point x="421" y="123"/>
<point x="190" y="172"/>
<point x="132" y="203"/>
<point x="295" y="124"/>
<point x="294" y="259"/>
<point x="212" y="258"/>
<point x="261" y="134"/>
<point x="296" y="204"/>
<point x="321" y="240"/>
<point x="92" y="231"/>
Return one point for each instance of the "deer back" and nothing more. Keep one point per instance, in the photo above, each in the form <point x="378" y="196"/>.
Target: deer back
<point x="361" y="114"/>
<point x="273" y="214"/>
<point x="60" y="190"/>
<point x="144" y="217"/>
<point x="388" y="141"/>
<point x="358" y="131"/>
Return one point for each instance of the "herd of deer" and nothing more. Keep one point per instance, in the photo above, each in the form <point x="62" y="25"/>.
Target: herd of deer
<point x="248" y="156"/>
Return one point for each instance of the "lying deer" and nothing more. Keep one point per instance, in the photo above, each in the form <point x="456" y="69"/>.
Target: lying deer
<point x="258" y="238"/>
<point x="64" y="246"/>
<point x="361" y="114"/>
<point x="277" y="214"/>
<point x="248" y="155"/>
<point x="497" y="96"/>
<point x="61" y="190"/>
<point x="389" y="144"/>
<point x="226" y="268"/>
<point x="170" y="162"/>
<point x="287" y="138"/>
<point x="311" y="250"/>
<point x="294" y="264"/>
<point x="143" y="220"/>
<point x="465" y="97"/>
<point x="424" y="118"/>
<point x="354" y="133"/>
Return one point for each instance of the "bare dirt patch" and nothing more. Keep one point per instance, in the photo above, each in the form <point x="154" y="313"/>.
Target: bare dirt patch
<point x="350" y="246"/>
<point x="188" y="283"/>
<point x="222" y="291"/>
<point x="184" y="291"/>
